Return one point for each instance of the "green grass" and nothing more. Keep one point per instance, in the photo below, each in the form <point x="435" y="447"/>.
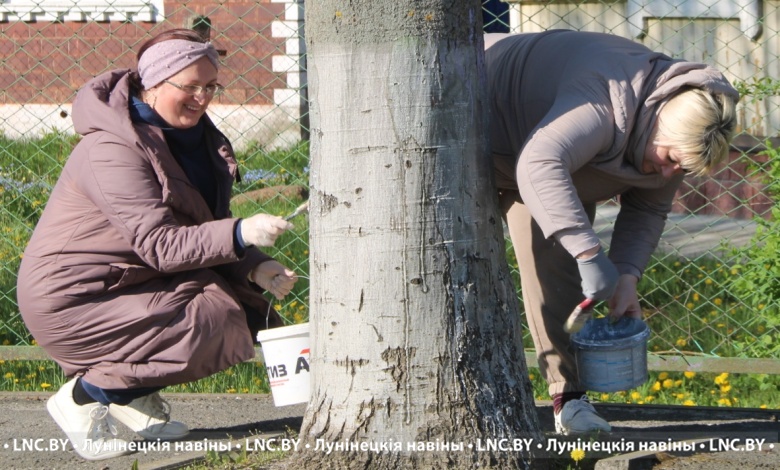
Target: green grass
<point x="688" y="303"/>
<point x="689" y="389"/>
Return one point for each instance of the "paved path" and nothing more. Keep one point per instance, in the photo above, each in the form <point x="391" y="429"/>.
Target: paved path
<point x="685" y="234"/>
<point x="27" y="433"/>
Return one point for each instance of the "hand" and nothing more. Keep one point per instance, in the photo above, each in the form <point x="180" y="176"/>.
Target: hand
<point x="263" y="229"/>
<point x="625" y="302"/>
<point x="273" y="277"/>
<point x="599" y="276"/>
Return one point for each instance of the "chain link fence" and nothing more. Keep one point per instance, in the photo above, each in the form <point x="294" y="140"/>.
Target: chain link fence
<point x="712" y="290"/>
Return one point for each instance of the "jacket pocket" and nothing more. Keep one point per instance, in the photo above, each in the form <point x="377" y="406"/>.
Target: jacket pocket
<point x="122" y="274"/>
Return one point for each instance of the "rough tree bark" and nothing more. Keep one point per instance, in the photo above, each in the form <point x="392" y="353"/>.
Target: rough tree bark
<point x="416" y="343"/>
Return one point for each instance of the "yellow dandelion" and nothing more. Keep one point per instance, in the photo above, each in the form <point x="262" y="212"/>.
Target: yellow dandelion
<point x="725" y="388"/>
<point x="2" y="362"/>
<point x="717" y="301"/>
<point x="668" y="383"/>
<point x="45" y="385"/>
<point x="689" y="403"/>
<point x="293" y="303"/>
<point x="678" y="383"/>
<point x="231" y="390"/>
<point x="708" y="281"/>
<point x="681" y="342"/>
<point x="695" y="296"/>
<point x="763" y="407"/>
<point x="531" y="376"/>
<point x="761" y="328"/>
<point x="680" y="396"/>
<point x="724" y="402"/>
<point x="604" y="396"/>
<point x="577" y="454"/>
<point x="278" y="307"/>
<point x="41" y="368"/>
<point x="34" y="343"/>
<point x="635" y="396"/>
<point x="689" y="305"/>
<point x="9" y="375"/>
<point x="663" y="376"/>
<point x="722" y="379"/>
<point x="656" y="386"/>
<point x="689" y="374"/>
<point x="649" y="398"/>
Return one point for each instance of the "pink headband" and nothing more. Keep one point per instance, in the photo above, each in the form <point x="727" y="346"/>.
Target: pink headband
<point x="167" y="58"/>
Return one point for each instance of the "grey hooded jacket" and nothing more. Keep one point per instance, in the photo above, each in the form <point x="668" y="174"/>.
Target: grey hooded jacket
<point x="571" y="114"/>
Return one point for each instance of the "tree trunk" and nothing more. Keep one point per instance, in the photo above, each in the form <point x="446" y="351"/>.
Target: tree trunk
<point x="417" y="360"/>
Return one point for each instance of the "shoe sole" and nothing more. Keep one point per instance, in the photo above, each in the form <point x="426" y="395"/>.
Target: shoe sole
<point x="154" y="437"/>
<point x="119" y="416"/>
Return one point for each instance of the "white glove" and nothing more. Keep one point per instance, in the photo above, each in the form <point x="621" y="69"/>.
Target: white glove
<point x="274" y="278"/>
<point x="263" y="229"/>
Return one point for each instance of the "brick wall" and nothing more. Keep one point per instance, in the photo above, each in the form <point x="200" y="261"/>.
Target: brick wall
<point x="46" y="55"/>
<point x="47" y="61"/>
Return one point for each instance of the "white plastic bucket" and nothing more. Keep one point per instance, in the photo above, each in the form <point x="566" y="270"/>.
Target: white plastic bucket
<point x="286" y="356"/>
<point x="611" y="357"/>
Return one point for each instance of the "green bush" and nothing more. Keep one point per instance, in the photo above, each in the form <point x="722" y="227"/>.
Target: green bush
<point x="758" y="282"/>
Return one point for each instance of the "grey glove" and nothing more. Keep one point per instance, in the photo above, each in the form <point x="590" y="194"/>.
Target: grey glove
<point x="599" y="276"/>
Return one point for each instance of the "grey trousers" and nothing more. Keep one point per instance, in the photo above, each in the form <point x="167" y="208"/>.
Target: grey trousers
<point x="551" y="288"/>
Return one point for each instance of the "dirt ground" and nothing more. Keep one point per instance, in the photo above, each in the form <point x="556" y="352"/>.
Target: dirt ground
<point x="713" y="438"/>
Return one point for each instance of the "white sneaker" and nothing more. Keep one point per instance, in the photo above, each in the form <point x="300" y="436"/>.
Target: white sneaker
<point x="150" y="417"/>
<point x="579" y="417"/>
<point x="90" y="429"/>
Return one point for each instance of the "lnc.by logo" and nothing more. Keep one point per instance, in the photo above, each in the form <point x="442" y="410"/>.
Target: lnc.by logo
<point x="280" y="370"/>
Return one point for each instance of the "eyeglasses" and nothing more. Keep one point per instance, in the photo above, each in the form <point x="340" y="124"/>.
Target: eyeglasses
<point x="194" y="90"/>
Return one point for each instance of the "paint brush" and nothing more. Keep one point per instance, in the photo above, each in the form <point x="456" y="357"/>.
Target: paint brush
<point x="302" y="209"/>
<point x="579" y="316"/>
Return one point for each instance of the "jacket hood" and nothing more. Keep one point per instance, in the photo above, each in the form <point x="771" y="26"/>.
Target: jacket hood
<point x="102" y="105"/>
<point x="670" y="80"/>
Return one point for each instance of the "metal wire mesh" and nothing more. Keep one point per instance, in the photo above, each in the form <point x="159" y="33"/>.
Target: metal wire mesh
<point x="708" y="290"/>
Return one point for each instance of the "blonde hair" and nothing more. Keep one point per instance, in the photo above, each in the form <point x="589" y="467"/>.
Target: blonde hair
<point x="699" y="125"/>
